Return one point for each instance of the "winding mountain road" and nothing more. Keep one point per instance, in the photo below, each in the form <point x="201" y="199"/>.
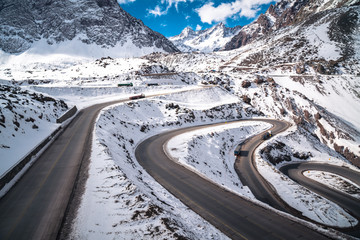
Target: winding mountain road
<point x="351" y="204"/>
<point x="235" y="216"/>
<point x="35" y="206"/>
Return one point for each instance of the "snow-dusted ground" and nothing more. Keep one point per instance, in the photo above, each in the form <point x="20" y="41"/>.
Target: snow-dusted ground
<point x="33" y="94"/>
<point x="139" y="120"/>
<point x="26" y="118"/>
<point x="122" y="201"/>
<point x="310" y="204"/>
<point x="335" y="181"/>
<point x="210" y="152"/>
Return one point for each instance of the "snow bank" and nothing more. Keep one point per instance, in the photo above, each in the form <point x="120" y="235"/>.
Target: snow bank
<point x="203" y="99"/>
<point x="209" y="152"/>
<point x="335" y="181"/>
<point x="26" y="118"/>
<point x="86" y="96"/>
<point x="308" y="203"/>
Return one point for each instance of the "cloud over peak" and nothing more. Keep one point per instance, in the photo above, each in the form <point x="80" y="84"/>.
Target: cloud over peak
<point x="209" y="13"/>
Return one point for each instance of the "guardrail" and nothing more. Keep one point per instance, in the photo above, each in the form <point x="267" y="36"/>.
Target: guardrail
<point x="15" y="170"/>
<point x="67" y="115"/>
<point x="11" y="173"/>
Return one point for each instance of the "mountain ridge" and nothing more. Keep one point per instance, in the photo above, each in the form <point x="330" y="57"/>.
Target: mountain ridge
<point x="207" y="40"/>
<point x="94" y="22"/>
<point x="281" y="15"/>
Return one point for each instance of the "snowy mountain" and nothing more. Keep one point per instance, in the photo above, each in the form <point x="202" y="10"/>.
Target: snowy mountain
<point x="282" y="14"/>
<point x="92" y="27"/>
<point x="316" y="60"/>
<point x="208" y="40"/>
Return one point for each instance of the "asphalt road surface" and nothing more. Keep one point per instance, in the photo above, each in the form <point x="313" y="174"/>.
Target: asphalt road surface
<point x="248" y="174"/>
<point x="233" y="215"/>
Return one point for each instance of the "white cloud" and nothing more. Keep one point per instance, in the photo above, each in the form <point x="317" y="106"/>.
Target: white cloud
<point x="175" y="2"/>
<point x="125" y="1"/>
<point x="157" y="11"/>
<point x="198" y="27"/>
<point x="169" y="3"/>
<point x="243" y="8"/>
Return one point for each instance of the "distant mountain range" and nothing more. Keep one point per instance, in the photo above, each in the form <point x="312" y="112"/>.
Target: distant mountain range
<point x="101" y="27"/>
<point x="208" y="40"/>
<point x="97" y="26"/>
<point x="283" y="14"/>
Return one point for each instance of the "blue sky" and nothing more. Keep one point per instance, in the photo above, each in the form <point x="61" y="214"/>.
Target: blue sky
<point x="170" y="17"/>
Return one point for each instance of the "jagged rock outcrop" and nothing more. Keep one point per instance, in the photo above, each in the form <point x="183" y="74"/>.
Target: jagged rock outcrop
<point x="283" y="14"/>
<point x="100" y="22"/>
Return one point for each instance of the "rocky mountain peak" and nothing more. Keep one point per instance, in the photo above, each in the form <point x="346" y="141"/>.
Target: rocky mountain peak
<point x="207" y="40"/>
<point x="91" y="22"/>
<point x="187" y="32"/>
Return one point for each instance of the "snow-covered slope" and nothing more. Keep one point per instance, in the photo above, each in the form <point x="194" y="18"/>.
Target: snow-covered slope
<point x="208" y="40"/>
<point x="328" y="41"/>
<point x="26" y="118"/>
<point x="284" y="13"/>
<point x="94" y="28"/>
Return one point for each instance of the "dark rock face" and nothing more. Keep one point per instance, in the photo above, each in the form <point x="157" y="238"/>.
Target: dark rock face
<point x="101" y="22"/>
<point x="342" y="30"/>
<point x="283" y="13"/>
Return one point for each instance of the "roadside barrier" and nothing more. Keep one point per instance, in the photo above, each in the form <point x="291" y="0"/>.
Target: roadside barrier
<point x="9" y="175"/>
<point x="67" y="115"/>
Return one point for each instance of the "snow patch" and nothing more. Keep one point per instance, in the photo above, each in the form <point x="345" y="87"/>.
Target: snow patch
<point x="335" y="181"/>
<point x="209" y="152"/>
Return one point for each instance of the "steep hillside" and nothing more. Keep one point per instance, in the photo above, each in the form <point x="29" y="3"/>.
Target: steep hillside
<point x="282" y="14"/>
<point x="208" y="40"/>
<point x="326" y="43"/>
<point x="92" y="27"/>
